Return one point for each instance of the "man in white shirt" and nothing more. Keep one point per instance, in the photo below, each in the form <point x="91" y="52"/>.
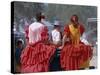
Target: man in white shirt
<point x="56" y="34"/>
<point x="56" y="40"/>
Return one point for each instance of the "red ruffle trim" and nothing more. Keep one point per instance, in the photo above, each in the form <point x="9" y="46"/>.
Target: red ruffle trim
<point x="36" y="58"/>
<point x="72" y="57"/>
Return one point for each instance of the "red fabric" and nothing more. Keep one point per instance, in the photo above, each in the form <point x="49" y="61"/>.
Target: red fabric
<point x="44" y="33"/>
<point x="82" y="29"/>
<point x="66" y="30"/>
<point x="71" y="56"/>
<point x="36" y="58"/>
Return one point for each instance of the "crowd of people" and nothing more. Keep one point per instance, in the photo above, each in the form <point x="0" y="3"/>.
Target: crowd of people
<point x="53" y="51"/>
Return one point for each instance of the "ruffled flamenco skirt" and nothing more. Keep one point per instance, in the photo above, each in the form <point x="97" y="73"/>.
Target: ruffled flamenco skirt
<point x="74" y="58"/>
<point x="36" y="58"/>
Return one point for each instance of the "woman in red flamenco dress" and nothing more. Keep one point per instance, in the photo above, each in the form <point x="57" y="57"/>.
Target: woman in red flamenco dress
<point x="35" y="57"/>
<point x="75" y="54"/>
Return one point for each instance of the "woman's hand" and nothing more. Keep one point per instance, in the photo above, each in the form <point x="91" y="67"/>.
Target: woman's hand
<point x="63" y="42"/>
<point x="61" y="47"/>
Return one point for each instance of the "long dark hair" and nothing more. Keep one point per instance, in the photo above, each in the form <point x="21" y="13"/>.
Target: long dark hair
<point x="38" y="16"/>
<point x="74" y="18"/>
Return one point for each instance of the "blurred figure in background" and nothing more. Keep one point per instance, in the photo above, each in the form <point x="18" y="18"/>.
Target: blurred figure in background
<point x="56" y="40"/>
<point x="56" y="34"/>
<point x="18" y="50"/>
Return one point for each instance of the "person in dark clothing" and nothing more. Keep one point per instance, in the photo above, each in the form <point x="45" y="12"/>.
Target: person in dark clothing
<point x="56" y="40"/>
<point x="18" y="50"/>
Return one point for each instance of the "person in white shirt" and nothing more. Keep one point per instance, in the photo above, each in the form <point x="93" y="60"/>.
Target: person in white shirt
<point x="56" y="40"/>
<point x="56" y="34"/>
<point x="35" y="56"/>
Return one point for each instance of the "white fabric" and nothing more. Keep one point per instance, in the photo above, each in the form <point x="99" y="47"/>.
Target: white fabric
<point x="93" y="61"/>
<point x="35" y="32"/>
<point x="84" y="41"/>
<point x="56" y="37"/>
